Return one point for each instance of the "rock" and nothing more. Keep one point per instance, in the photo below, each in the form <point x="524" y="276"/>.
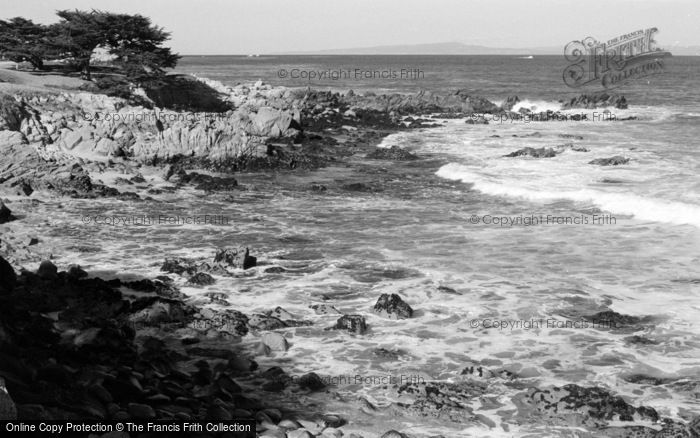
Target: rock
<point x="311" y="381"/>
<point x="8" y="278"/>
<point x="201" y="279"/>
<point x="237" y="258"/>
<point x="596" y="100"/>
<point x="333" y="421"/>
<point x="141" y="412"/>
<point x="76" y="272"/>
<point x="394" y="434"/>
<point x="5" y="214"/>
<point x="264" y="322"/>
<point x="533" y="152"/>
<point x="591" y="407"/>
<point x="612" y="161"/>
<point x="47" y="270"/>
<point x="612" y="320"/>
<point x="8" y="410"/>
<point x="331" y="432"/>
<point x="351" y="323"/>
<point x="324" y="309"/>
<point x="392" y="306"/>
<point x="299" y="433"/>
<point x="160" y="311"/>
<point x="180" y="266"/>
<point x="510" y="102"/>
<point x="393" y="153"/>
<point x="275" y="341"/>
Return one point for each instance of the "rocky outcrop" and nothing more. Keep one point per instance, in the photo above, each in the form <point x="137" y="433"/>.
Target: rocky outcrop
<point x="612" y="161"/>
<point x="392" y="306"/>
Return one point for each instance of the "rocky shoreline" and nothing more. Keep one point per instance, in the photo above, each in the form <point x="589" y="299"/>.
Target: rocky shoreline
<point x="75" y="345"/>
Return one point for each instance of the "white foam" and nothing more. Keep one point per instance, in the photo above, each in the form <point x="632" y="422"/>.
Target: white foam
<point x="642" y="208"/>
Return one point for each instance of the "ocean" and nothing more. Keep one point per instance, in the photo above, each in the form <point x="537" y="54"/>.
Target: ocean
<point x="523" y="248"/>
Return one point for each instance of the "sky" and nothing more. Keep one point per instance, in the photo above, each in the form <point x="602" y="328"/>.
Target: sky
<point x="278" y="26"/>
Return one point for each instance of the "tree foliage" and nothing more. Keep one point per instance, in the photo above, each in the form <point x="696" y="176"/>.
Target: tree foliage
<point x="23" y="40"/>
<point x="135" y="43"/>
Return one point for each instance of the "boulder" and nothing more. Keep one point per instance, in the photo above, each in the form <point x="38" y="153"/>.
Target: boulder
<point x="612" y="161"/>
<point x="596" y="100"/>
<point x="201" y="279"/>
<point x="47" y="270"/>
<point x="275" y="341"/>
<point x="392" y="306"/>
<point x="237" y="258"/>
<point x="8" y="278"/>
<point x="5" y="214"/>
<point x="351" y="323"/>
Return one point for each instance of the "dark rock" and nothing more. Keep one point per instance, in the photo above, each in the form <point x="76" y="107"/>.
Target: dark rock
<point x="393" y="153"/>
<point x="573" y="136"/>
<point x="612" y="319"/>
<point x="47" y="270"/>
<point x="351" y="323"/>
<point x="265" y="322"/>
<point x="324" y="309"/>
<point x="533" y="152"/>
<point x="442" y="400"/>
<point x="179" y="266"/>
<point x="76" y="272"/>
<point x="392" y="306"/>
<point x="448" y="290"/>
<point x="275" y="270"/>
<point x="237" y="258"/>
<point x="358" y="187"/>
<point x="596" y="100"/>
<point x="394" y="434"/>
<point x="5" y="214"/>
<point x="612" y="161"/>
<point x="8" y="278"/>
<point x="141" y="412"/>
<point x="201" y="279"/>
<point x="592" y="407"/>
<point x="311" y="381"/>
<point x="318" y="187"/>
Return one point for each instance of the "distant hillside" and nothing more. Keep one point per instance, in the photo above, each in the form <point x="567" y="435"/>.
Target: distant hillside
<point x="455" y="48"/>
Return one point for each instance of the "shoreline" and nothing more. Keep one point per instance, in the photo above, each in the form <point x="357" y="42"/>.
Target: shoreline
<point x="185" y="173"/>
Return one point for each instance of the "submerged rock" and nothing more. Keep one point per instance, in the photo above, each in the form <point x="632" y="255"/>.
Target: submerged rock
<point x="612" y="161"/>
<point x="392" y="306"/>
<point x="533" y="152"/>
